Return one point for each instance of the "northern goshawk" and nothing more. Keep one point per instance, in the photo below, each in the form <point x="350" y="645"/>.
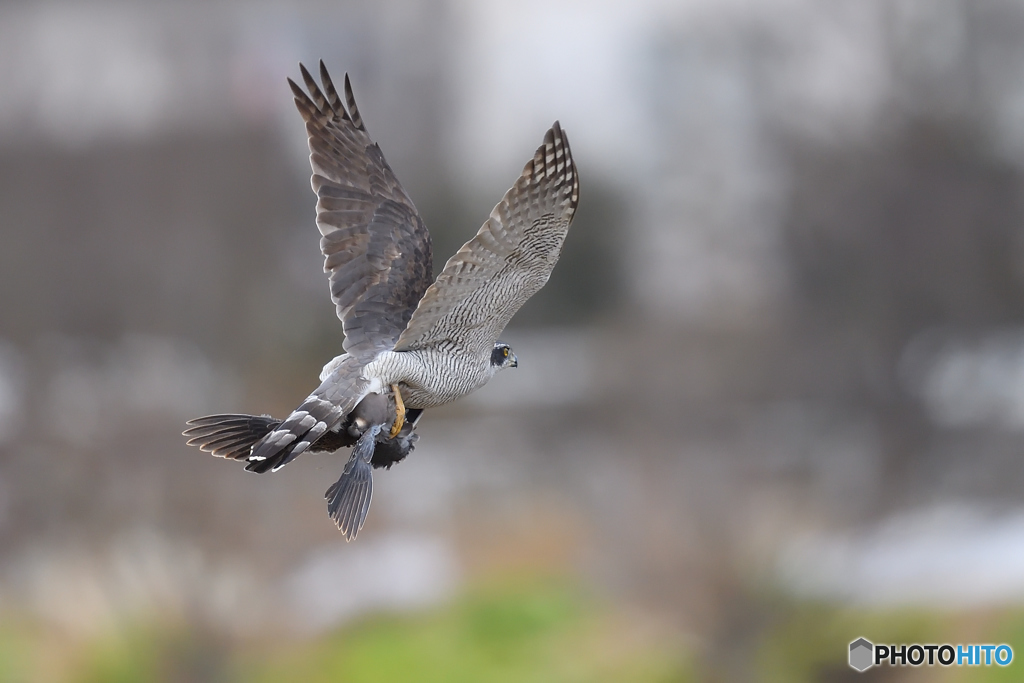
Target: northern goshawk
<point x="411" y="342"/>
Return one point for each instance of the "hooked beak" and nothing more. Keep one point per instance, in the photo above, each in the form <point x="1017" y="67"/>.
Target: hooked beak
<point x="514" y="363"/>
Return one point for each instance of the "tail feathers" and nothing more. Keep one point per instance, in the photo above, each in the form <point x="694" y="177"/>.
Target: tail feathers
<point x="286" y="442"/>
<point x="229" y="436"/>
<point x="348" y="499"/>
<point x="233" y="436"/>
<point x="322" y="410"/>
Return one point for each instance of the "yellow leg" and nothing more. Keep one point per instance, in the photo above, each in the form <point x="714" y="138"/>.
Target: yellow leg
<point x="399" y="412"/>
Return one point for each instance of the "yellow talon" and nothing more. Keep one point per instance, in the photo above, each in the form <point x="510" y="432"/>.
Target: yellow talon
<point x="399" y="412"/>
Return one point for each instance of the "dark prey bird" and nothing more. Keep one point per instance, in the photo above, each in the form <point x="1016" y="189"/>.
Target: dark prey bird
<point x="410" y="343"/>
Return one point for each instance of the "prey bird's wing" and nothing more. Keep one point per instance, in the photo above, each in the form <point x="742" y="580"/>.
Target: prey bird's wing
<point x="375" y="245"/>
<point x="348" y="499"/>
<point x="508" y="260"/>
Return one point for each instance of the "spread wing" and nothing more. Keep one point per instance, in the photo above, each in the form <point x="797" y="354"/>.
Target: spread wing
<point x="508" y="261"/>
<point x="376" y="247"/>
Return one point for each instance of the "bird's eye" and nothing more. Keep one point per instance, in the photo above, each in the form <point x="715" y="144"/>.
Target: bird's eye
<point x="504" y="352"/>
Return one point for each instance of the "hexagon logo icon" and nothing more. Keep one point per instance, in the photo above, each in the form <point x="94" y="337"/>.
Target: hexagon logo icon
<point x="862" y="654"/>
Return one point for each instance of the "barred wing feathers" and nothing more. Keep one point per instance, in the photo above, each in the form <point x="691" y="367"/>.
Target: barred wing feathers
<point x="507" y="262"/>
<point x="376" y="247"/>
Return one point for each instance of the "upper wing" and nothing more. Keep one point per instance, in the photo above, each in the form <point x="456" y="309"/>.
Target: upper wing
<point x="511" y="257"/>
<point x="376" y="247"/>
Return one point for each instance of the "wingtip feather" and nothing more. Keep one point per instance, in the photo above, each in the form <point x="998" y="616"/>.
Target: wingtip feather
<point x="350" y="100"/>
<point x="332" y="94"/>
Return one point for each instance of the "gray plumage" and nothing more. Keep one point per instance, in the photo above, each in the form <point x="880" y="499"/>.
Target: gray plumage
<point x="435" y="341"/>
<point x="376" y="248"/>
<point x="507" y="262"/>
<point x="348" y="499"/>
<point x="232" y="436"/>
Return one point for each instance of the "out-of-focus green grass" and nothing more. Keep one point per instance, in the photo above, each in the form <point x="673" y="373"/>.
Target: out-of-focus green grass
<point x="507" y="632"/>
<point x="532" y="630"/>
<point x="15" y="655"/>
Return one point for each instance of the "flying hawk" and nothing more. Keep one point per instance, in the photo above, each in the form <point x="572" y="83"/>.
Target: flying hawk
<point x="411" y="343"/>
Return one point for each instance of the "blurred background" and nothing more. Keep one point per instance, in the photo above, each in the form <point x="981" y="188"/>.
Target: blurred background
<point x="771" y="401"/>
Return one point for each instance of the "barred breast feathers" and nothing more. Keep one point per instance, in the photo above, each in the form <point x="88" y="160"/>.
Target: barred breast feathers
<point x="433" y="377"/>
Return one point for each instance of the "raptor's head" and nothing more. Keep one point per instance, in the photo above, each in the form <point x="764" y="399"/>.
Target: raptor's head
<point x="502" y="357"/>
